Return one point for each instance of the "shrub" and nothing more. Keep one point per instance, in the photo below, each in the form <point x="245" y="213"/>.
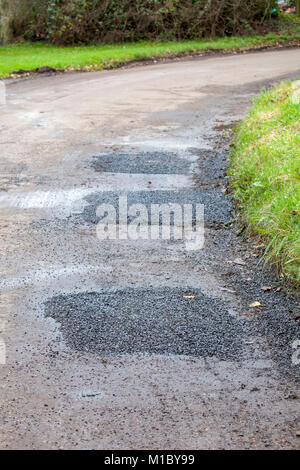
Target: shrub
<point x="89" y="21"/>
<point x="15" y="16"/>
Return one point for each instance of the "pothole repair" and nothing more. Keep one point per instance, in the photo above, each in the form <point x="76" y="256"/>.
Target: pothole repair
<point x="142" y="163"/>
<point x="163" y="321"/>
<point x="217" y="206"/>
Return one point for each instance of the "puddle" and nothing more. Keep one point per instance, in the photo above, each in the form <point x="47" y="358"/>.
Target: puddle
<point x="43" y="199"/>
<point x="162" y="321"/>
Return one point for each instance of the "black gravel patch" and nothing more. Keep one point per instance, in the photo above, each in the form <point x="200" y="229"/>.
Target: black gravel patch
<point x="277" y="320"/>
<point x="144" y="320"/>
<point x="211" y="167"/>
<point x="217" y="206"/>
<point x="282" y="333"/>
<point x="142" y="163"/>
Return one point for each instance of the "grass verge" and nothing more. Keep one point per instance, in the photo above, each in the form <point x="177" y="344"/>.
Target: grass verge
<point x="27" y="56"/>
<point x="265" y="175"/>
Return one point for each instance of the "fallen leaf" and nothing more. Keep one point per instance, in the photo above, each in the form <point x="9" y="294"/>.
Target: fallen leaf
<point x="265" y="288"/>
<point x="255" y="304"/>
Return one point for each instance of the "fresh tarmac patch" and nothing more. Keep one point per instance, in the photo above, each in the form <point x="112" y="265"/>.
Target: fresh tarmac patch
<point x="161" y="321"/>
<point x="217" y="206"/>
<point x="143" y="163"/>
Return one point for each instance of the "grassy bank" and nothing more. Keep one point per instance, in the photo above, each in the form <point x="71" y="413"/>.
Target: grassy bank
<point x="28" y="56"/>
<point x="265" y="174"/>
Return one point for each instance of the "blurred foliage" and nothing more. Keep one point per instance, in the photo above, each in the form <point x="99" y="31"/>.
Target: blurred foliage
<point x="89" y="21"/>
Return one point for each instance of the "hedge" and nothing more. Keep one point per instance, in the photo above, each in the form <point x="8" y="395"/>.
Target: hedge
<point x="90" y="21"/>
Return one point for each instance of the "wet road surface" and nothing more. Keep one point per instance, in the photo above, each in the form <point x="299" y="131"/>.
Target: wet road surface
<point x="137" y="344"/>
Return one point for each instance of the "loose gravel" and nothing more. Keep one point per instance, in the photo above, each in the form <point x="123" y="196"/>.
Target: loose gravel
<point x="142" y="162"/>
<point x="217" y="206"/>
<point x="155" y="321"/>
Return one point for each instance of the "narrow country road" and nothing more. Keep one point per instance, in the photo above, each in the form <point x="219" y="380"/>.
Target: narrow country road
<point x="137" y="344"/>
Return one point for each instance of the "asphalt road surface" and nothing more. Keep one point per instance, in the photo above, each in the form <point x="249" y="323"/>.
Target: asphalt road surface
<point x="137" y="343"/>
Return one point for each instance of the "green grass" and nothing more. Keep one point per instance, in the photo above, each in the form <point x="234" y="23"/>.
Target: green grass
<point x="265" y="174"/>
<point x="29" y="56"/>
